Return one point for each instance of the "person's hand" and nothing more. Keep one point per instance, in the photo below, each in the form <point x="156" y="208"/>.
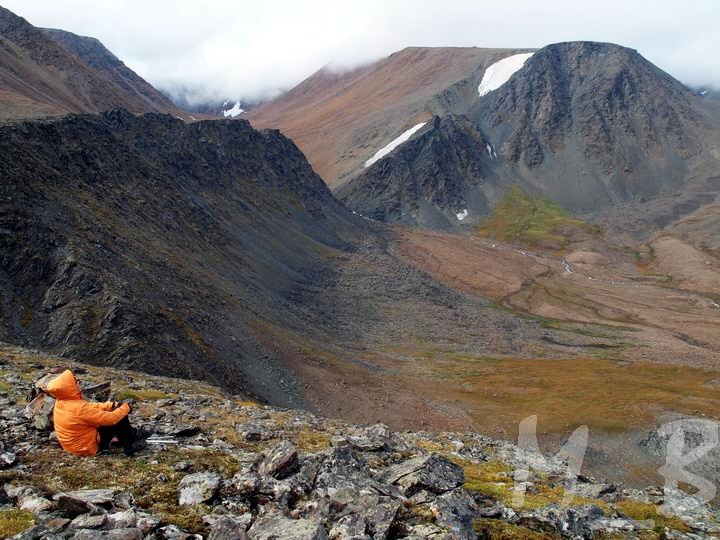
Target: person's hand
<point x="129" y="406"/>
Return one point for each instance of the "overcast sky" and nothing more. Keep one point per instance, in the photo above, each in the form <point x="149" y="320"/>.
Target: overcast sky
<point x="251" y="49"/>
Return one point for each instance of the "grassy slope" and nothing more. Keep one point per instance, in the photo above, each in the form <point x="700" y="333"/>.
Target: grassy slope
<point x="529" y="219"/>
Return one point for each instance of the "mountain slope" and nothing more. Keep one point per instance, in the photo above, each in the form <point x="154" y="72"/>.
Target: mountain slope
<point x="590" y="126"/>
<point x="40" y="77"/>
<point x="150" y="243"/>
<point x="339" y="120"/>
<point x="97" y="56"/>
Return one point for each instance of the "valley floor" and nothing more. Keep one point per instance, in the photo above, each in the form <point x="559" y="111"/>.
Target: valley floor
<point x="461" y="332"/>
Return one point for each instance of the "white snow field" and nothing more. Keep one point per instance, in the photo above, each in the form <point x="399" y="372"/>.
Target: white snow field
<point x="500" y="72"/>
<point x="234" y="111"/>
<point x="462" y="215"/>
<point x="393" y="144"/>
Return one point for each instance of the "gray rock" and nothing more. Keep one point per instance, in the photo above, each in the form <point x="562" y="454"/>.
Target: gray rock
<point x="116" y="534"/>
<point x="146" y="522"/>
<point x="575" y="521"/>
<point x="275" y="527"/>
<point x="342" y="468"/>
<point x="280" y="460"/>
<point x="81" y="502"/>
<point x="351" y="526"/>
<point x="7" y="458"/>
<point x="433" y="473"/>
<point x="380" y="518"/>
<point x="456" y="511"/>
<point x="97" y="392"/>
<point x="56" y="524"/>
<point x="88" y="521"/>
<point x="122" y="520"/>
<point x="40" y="412"/>
<point x="228" y="528"/>
<point x="93" y="496"/>
<point x="374" y="439"/>
<point x="245" y="483"/>
<point x="172" y="532"/>
<point x="198" y="488"/>
<point x="36" y="505"/>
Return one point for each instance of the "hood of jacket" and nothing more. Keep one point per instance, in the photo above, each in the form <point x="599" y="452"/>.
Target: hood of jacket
<point x="64" y="386"/>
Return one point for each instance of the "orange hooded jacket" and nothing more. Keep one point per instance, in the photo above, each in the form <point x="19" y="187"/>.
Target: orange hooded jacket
<point x="76" y="420"/>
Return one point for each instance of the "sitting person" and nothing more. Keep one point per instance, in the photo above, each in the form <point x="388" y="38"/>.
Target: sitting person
<point x="84" y="428"/>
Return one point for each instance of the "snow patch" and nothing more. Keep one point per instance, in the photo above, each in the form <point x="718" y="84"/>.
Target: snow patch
<point x="236" y="110"/>
<point x="500" y="72"/>
<point x="393" y="144"/>
<point x="491" y="151"/>
<point x="462" y="215"/>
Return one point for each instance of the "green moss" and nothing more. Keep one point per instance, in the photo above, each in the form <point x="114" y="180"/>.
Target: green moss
<point x="642" y="511"/>
<point x="529" y="219"/>
<point x="5" y="387"/>
<point x="312" y="441"/>
<point x="493" y="479"/>
<point x="496" y="529"/>
<point x="142" y="395"/>
<point x="186" y="517"/>
<point x="14" y="521"/>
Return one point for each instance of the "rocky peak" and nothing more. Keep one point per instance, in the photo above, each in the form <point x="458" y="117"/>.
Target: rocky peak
<point x="601" y="94"/>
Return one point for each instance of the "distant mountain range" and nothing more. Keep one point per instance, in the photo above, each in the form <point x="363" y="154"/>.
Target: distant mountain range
<point x="591" y="126"/>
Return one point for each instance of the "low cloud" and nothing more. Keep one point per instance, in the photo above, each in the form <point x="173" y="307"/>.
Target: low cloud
<point x="207" y="51"/>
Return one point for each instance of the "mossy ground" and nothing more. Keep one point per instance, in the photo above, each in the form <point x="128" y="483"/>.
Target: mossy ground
<point x="645" y="511"/>
<point x="496" y="529"/>
<point x="142" y="395"/>
<point x="604" y="394"/>
<point x="531" y="220"/>
<point x="14" y="521"/>
<point x="139" y="476"/>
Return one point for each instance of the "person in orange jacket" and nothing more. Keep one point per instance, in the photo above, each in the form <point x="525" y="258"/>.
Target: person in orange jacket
<point x="84" y="428"/>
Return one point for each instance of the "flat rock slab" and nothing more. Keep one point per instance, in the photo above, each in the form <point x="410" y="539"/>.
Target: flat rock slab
<point x="198" y="488"/>
<point x="75" y="503"/>
<point x="433" y="473"/>
<point x="276" y="527"/>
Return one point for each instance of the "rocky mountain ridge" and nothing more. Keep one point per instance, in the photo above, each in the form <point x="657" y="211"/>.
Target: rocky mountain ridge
<point x="231" y="469"/>
<point x="104" y="239"/>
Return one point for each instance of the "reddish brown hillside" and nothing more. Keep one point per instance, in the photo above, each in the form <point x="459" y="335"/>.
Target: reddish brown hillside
<point x="341" y="120"/>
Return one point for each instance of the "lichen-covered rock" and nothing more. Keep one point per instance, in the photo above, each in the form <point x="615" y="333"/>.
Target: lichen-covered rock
<point x="275" y="527"/>
<point x="455" y="512"/>
<point x="279" y="461"/>
<point x="228" y="528"/>
<point x="198" y="488"/>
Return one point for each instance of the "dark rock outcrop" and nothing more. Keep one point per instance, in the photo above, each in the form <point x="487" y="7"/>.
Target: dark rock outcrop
<point x="149" y="243"/>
